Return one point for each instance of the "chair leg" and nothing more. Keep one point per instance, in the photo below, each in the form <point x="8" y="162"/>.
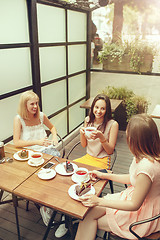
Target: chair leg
<point x="27" y="205"/>
<point x="1" y="194"/>
<point x="106" y="236"/>
<point x="111" y="186"/>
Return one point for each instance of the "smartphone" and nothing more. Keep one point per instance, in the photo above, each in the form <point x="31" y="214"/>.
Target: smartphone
<point x="48" y="165"/>
<point x="103" y="170"/>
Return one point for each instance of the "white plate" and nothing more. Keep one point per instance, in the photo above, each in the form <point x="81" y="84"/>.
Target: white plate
<point x="72" y="192"/>
<point x="74" y="179"/>
<point x="35" y="165"/>
<point x="46" y="174"/>
<point x="60" y="169"/>
<point x="22" y="159"/>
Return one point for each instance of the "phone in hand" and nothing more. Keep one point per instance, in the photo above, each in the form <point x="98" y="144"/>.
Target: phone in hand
<point x="48" y="165"/>
<point x="103" y="170"/>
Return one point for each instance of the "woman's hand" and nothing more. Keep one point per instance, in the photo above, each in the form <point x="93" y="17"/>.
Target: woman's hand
<point x="54" y="141"/>
<point x="90" y="200"/>
<point x="96" y="134"/>
<point x="44" y="142"/>
<point x="95" y="174"/>
<point x="82" y="130"/>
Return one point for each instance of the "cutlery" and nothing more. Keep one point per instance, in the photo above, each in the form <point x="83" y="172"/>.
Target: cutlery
<point x="95" y="181"/>
<point x="8" y="159"/>
<point x="45" y="171"/>
<point x="58" y="160"/>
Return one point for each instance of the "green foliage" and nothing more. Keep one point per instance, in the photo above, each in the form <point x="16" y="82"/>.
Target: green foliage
<point x="121" y="93"/>
<point x="133" y="104"/>
<point x="135" y="49"/>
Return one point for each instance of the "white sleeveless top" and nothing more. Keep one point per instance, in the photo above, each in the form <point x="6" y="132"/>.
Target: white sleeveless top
<point x="35" y="132"/>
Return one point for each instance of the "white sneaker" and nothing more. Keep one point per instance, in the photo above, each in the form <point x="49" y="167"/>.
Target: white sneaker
<point x="46" y="214"/>
<point x="61" y="230"/>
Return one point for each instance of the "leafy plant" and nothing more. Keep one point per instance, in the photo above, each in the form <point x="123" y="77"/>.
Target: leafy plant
<point x="133" y="104"/>
<point x="136" y="50"/>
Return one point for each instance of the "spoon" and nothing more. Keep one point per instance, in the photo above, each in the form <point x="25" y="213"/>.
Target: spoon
<point x="44" y="171"/>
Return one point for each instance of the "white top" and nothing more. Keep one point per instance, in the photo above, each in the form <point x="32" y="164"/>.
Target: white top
<point x="35" y="132"/>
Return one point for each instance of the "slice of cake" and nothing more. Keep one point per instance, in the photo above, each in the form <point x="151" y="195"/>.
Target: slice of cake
<point x="23" y="154"/>
<point x="69" y="167"/>
<point x="83" y="188"/>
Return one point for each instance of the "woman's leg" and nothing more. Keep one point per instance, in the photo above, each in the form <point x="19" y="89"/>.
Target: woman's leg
<point x="87" y="229"/>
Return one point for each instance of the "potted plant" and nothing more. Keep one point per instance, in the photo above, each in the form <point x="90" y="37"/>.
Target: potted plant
<point x="131" y="56"/>
<point x="132" y="104"/>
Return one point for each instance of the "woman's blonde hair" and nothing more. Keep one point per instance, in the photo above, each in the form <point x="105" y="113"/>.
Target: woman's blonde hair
<point x="143" y="137"/>
<point x="22" y="108"/>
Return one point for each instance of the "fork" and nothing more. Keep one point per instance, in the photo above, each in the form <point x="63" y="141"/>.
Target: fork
<point x="96" y="181"/>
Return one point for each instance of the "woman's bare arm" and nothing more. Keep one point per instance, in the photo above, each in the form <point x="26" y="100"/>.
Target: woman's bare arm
<point x="142" y="188"/>
<point x="109" y="145"/>
<point x="52" y="128"/>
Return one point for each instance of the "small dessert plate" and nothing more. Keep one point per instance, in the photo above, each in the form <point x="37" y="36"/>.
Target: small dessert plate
<point x="31" y="163"/>
<point x="16" y="156"/>
<point x="60" y="169"/>
<point x="74" y="179"/>
<point x="72" y="192"/>
<point x="47" y="174"/>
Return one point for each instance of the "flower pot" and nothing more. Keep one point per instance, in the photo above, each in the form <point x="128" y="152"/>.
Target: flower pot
<point x="147" y="65"/>
<point x="124" y="65"/>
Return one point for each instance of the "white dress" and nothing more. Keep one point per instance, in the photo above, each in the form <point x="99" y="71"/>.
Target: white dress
<point x="36" y="132"/>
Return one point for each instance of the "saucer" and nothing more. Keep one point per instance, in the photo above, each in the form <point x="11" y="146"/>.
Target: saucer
<point x="72" y="192"/>
<point x="35" y="165"/>
<point x="60" y="169"/>
<point x="16" y="156"/>
<point x="74" y="179"/>
<point x="47" y="174"/>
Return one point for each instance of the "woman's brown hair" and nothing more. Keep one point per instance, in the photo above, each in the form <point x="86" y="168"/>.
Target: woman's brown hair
<point x="143" y="137"/>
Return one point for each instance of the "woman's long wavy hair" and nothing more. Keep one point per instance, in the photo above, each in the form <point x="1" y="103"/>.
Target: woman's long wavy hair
<point x="22" y="108"/>
<point x="108" y="114"/>
<point x="143" y="137"/>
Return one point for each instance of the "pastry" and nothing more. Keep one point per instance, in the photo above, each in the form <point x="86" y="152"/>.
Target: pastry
<point x="83" y="188"/>
<point x="69" y="167"/>
<point x="23" y="154"/>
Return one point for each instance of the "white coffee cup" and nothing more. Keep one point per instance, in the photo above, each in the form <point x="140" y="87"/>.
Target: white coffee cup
<point x="89" y="130"/>
<point x="81" y="174"/>
<point x="36" y="157"/>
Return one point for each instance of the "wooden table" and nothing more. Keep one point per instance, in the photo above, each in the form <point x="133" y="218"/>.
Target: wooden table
<point x="114" y="104"/>
<point x="15" y="173"/>
<point x="54" y="194"/>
